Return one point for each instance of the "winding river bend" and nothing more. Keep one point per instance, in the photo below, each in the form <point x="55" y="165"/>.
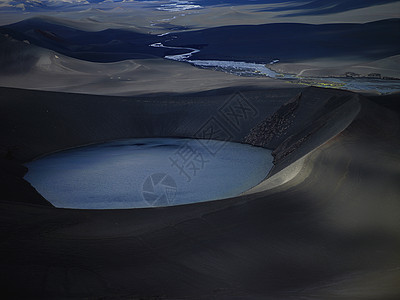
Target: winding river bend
<point x="248" y="69"/>
<point x="239" y="68"/>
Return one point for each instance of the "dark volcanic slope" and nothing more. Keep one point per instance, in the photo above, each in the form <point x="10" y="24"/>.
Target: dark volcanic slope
<point x="16" y="57"/>
<point x="260" y="43"/>
<point x="100" y="46"/>
<point x="12" y="186"/>
<point x="33" y="123"/>
<point x="331" y="232"/>
<point x="293" y="42"/>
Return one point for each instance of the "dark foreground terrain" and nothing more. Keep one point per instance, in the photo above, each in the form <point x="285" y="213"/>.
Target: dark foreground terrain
<point x="324" y="224"/>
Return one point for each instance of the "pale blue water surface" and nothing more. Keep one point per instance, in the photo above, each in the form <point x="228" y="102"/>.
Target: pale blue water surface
<point x="148" y="172"/>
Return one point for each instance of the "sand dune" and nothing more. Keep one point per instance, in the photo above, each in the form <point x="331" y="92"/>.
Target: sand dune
<point x="212" y="15"/>
<point x="331" y="50"/>
<point x="256" y="14"/>
<point x="31" y="67"/>
<point x="331" y="231"/>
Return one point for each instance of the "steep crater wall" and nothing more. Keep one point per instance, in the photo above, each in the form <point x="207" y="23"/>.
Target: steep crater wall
<point x="291" y="122"/>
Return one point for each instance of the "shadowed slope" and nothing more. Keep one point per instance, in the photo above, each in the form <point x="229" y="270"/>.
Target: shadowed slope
<point x="323" y="7"/>
<point x="291" y="42"/>
<point x="255" y="43"/>
<point x="100" y="46"/>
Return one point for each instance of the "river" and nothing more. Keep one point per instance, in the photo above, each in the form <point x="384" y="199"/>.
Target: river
<point x="250" y="69"/>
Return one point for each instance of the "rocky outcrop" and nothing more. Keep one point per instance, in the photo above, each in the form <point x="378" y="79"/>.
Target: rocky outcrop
<point x="274" y="127"/>
<point x="294" y="142"/>
<point x="296" y="121"/>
